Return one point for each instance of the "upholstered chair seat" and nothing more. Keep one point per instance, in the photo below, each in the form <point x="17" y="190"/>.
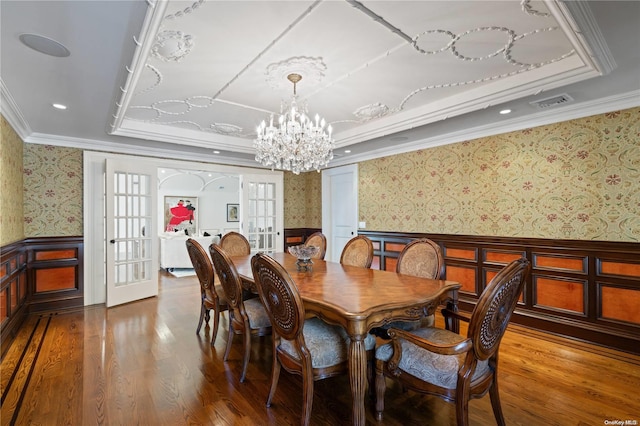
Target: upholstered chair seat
<point x="256" y="314"/>
<point x="309" y="347"/>
<point x="441" y="370"/>
<point x="453" y="367"/>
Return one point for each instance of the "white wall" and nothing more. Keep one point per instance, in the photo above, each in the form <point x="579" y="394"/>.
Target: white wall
<point x="213" y="191"/>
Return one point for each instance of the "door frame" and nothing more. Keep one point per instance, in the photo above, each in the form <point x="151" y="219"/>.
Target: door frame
<point x="327" y="200"/>
<point x="94" y="169"/>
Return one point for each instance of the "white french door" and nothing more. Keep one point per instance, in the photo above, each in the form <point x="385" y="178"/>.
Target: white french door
<point x="261" y="211"/>
<point x="131" y="231"/>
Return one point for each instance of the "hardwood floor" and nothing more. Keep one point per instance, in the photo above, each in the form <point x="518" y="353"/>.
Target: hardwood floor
<point x="142" y="363"/>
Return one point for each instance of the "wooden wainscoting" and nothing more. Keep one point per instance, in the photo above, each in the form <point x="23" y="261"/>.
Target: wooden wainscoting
<point x="586" y="290"/>
<point x="13" y="292"/>
<point x="55" y="273"/>
<point x="297" y="236"/>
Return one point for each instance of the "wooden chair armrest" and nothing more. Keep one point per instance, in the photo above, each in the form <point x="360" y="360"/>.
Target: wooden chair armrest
<point x="457" y="315"/>
<point x="451" y="349"/>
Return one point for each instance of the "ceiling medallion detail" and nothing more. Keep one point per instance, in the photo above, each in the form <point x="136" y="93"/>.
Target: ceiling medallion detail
<point x="226" y="129"/>
<point x="312" y="68"/>
<point x="371" y="111"/>
<point x="298" y="143"/>
<point x="172" y="46"/>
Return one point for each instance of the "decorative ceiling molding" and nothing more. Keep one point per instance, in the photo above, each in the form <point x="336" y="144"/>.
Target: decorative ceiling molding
<point x="311" y="69"/>
<point x="172" y="46"/>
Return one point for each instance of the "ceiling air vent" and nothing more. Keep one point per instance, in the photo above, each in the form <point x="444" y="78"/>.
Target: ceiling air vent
<point x="552" y="102"/>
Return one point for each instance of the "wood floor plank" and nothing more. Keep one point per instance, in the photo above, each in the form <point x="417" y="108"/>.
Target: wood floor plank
<point x="143" y="363"/>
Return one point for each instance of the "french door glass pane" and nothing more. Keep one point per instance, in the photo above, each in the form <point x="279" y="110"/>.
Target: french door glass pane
<point x="132" y="205"/>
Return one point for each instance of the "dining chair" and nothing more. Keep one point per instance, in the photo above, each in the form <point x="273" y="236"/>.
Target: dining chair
<point x="212" y="296"/>
<point x="421" y="258"/>
<point x="235" y="244"/>
<point x="319" y="240"/>
<point x="357" y="252"/>
<point x="443" y="363"/>
<point x="309" y="347"/>
<point x="246" y="316"/>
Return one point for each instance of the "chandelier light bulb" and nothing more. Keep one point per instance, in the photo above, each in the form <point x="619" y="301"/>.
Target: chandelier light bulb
<point x="296" y="144"/>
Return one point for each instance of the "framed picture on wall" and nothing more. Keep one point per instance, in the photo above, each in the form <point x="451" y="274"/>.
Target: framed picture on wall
<point x="181" y="214"/>
<point x="232" y="213"/>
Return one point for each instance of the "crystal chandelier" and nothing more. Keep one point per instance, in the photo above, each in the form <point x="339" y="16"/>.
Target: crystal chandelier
<point x="298" y="143"/>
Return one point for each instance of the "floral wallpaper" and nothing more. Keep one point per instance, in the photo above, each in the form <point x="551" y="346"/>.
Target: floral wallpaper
<point x="578" y="179"/>
<point x="52" y="191"/>
<point x="11" y="204"/>
<point x="302" y="201"/>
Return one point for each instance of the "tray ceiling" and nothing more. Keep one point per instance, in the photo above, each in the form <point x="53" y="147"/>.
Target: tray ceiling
<point x="194" y="77"/>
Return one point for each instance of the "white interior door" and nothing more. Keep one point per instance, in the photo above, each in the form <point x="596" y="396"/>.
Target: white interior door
<point x="262" y="211"/>
<point x="339" y="208"/>
<point x="131" y="231"/>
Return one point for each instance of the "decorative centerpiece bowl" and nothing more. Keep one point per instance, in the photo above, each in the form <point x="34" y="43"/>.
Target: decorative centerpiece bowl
<point x="304" y="255"/>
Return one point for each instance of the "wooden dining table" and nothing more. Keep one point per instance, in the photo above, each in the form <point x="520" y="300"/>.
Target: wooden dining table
<point x="359" y="299"/>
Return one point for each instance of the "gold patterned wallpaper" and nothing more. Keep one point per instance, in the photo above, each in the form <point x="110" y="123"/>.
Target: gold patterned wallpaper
<point x="52" y="191"/>
<point x="302" y="200"/>
<point x="573" y="180"/>
<point x="11" y="204"/>
<point x="578" y="179"/>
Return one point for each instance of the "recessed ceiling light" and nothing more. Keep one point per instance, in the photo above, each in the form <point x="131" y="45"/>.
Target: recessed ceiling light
<point x="505" y="111"/>
<point x="59" y="106"/>
<point x="347" y="151"/>
<point x="44" y="45"/>
<point x="216" y="152"/>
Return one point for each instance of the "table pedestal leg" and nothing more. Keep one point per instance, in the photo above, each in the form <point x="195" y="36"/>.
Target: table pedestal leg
<point x="358" y="378"/>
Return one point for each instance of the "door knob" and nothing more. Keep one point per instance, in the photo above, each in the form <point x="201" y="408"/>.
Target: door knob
<point x="112" y="241"/>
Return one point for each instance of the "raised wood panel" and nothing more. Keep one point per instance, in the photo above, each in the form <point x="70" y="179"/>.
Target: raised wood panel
<point x="561" y="263"/>
<point x="394" y="247"/>
<point x="13" y="291"/>
<point x="466" y="276"/>
<point x="501" y="257"/>
<point x="559" y="294"/>
<point x="620" y="268"/>
<point x="458" y="253"/>
<point x="621" y="304"/>
<point x="55" y="254"/>
<point x="4" y="311"/>
<point x="14" y="295"/>
<point x="490" y="274"/>
<point x="375" y="264"/>
<point x="575" y="311"/>
<point x="391" y="263"/>
<point x="23" y="286"/>
<point x="53" y="279"/>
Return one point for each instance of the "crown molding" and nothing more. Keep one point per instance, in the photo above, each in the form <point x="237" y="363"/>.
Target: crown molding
<point x="556" y="115"/>
<point x="11" y="112"/>
<point x="125" y="148"/>
<point x="583" y="24"/>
